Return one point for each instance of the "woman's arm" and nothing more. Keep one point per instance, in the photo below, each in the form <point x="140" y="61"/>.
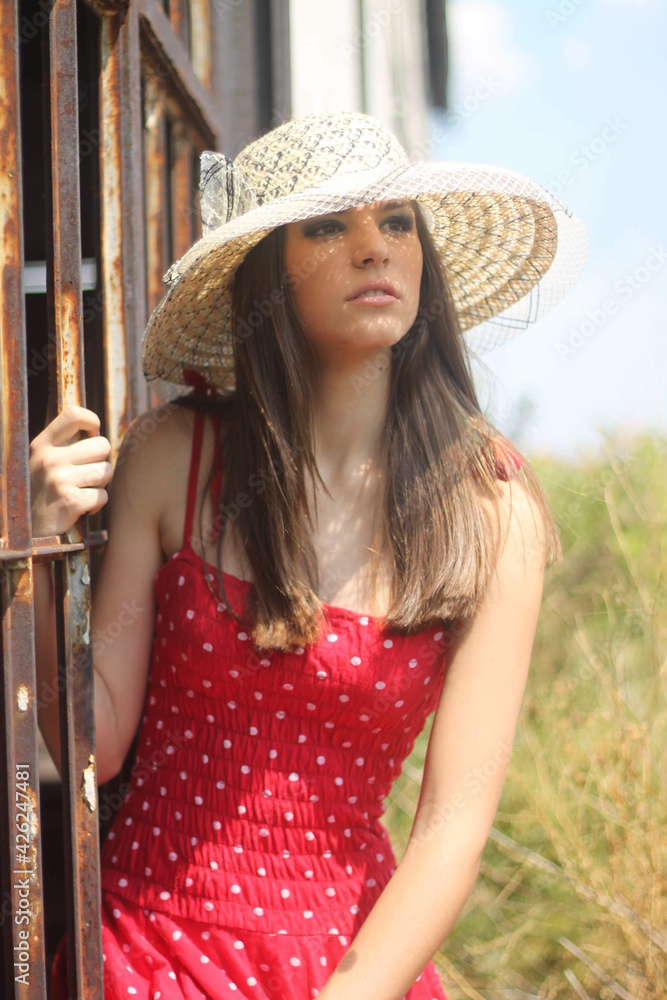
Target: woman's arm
<point x="123" y="603"/>
<point x="468" y="752"/>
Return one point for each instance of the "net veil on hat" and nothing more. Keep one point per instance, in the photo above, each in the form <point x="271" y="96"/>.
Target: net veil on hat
<point x="510" y="250"/>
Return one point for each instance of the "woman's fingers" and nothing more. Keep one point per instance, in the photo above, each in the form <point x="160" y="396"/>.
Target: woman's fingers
<point x="68" y="479"/>
<point x="69" y="422"/>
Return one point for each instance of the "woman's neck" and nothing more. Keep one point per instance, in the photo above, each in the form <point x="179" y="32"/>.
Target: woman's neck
<point x="349" y="410"/>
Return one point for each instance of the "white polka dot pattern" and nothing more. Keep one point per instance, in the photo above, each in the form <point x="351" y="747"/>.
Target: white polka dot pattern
<point x="264" y="779"/>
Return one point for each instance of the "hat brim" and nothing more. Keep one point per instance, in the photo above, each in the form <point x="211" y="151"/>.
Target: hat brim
<point x="510" y="251"/>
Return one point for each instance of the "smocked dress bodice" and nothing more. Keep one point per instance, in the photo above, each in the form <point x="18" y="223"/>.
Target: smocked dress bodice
<point x="260" y="778"/>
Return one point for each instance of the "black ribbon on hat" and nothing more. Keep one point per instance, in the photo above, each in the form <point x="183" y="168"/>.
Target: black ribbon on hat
<point x="225" y="191"/>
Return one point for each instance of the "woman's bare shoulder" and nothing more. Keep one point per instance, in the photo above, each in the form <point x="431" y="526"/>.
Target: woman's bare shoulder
<point x="156" y="451"/>
<point x="152" y="450"/>
<point x="154" y="434"/>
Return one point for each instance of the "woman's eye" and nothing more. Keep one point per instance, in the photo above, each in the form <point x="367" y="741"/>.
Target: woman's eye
<point x="322" y="229"/>
<point x="403" y="221"/>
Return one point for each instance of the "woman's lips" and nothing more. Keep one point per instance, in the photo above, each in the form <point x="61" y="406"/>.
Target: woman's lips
<point x="384" y="299"/>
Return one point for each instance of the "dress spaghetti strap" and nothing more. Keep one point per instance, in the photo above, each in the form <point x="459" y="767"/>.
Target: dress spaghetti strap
<point x="508" y="463"/>
<point x="193" y="478"/>
<point x="217" y="478"/>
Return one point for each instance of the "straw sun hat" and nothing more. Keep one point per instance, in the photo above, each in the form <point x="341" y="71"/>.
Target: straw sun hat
<point x="510" y="250"/>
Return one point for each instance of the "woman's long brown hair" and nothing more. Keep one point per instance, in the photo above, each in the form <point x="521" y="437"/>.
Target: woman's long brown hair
<point x="439" y="461"/>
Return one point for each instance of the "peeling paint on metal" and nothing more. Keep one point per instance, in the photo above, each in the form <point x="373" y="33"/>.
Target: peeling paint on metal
<point x="33" y="822"/>
<point x="23" y="698"/>
<point x="88" y="786"/>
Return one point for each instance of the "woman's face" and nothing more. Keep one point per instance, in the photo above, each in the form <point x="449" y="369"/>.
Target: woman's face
<point x="332" y="258"/>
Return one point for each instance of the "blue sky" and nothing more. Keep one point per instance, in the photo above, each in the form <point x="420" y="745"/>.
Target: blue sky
<point x="576" y="86"/>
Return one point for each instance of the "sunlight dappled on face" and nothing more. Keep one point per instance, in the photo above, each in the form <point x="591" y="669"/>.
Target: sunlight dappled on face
<point x="331" y="258"/>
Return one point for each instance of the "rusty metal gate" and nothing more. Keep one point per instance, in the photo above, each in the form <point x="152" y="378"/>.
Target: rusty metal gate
<point x="156" y="97"/>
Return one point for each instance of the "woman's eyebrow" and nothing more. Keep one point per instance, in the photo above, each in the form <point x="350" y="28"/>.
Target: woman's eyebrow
<point x="384" y="206"/>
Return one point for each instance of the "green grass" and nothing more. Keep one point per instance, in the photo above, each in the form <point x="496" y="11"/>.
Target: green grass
<point x="571" y="899"/>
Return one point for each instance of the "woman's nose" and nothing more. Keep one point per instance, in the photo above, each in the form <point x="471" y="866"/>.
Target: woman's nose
<point x="371" y="246"/>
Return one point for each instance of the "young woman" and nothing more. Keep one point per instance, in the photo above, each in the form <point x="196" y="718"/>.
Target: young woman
<point x="322" y="544"/>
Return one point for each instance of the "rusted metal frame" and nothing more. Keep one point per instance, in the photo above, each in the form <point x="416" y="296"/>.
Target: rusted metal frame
<point x="181" y="188"/>
<point x="200" y="42"/>
<point x="171" y="149"/>
<point x="49" y="547"/>
<point x="170" y="64"/>
<point x="179" y="16"/>
<point x="155" y="186"/>
<point x="72" y="577"/>
<point x="20" y="846"/>
<point x="123" y="284"/>
<point x="107" y="6"/>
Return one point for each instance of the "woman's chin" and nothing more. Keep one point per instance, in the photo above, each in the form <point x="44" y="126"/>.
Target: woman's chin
<point x="361" y="340"/>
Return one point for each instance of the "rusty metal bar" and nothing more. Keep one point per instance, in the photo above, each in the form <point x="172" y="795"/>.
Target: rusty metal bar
<point x="72" y="578"/>
<point x="52" y="548"/>
<point x="107" y="6"/>
<point x="181" y="188"/>
<point x="155" y="186"/>
<point x="170" y="64"/>
<point x="123" y="283"/>
<point x="200" y="45"/>
<point x="179" y="15"/>
<point x="20" y="844"/>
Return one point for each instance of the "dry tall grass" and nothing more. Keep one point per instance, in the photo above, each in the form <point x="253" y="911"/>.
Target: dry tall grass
<point x="571" y="900"/>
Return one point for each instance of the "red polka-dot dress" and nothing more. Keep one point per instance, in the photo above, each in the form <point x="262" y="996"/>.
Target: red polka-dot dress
<point x="249" y="851"/>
